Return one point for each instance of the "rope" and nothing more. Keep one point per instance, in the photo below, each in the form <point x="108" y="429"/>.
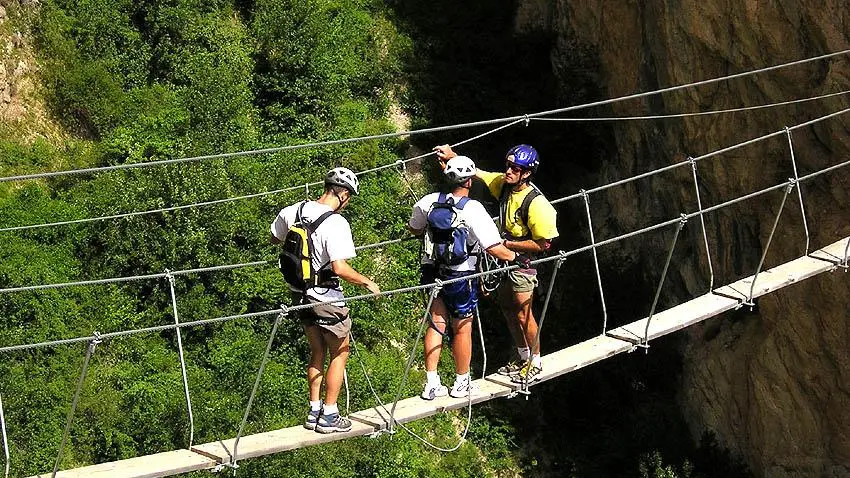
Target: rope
<point x="523" y="118"/>
<point x="425" y="319"/>
<point x="701" y="113"/>
<point x="256" y="386"/>
<point x="789" y="187"/>
<point x="396" y="241"/>
<point x="702" y="223"/>
<point x="306" y="186"/>
<point x="401" y="425"/>
<point x="586" y="198"/>
<point x="799" y="192"/>
<point x="182" y="360"/>
<point x="662" y="278"/>
<point x="403" y="290"/>
<point x="70" y="419"/>
<point x="5" y="437"/>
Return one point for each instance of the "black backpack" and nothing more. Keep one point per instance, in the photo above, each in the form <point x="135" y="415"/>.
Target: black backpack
<point x="446" y="234"/>
<point x="296" y="257"/>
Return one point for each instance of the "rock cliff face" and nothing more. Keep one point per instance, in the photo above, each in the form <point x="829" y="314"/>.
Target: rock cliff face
<point x="774" y="385"/>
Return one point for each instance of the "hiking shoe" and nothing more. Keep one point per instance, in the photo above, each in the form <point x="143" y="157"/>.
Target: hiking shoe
<point x="463" y="388"/>
<point x="529" y="373"/>
<point x="512" y="368"/>
<point x="433" y="391"/>
<point x="332" y="423"/>
<point x="312" y="418"/>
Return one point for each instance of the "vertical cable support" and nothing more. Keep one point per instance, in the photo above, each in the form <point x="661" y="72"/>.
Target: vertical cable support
<point x="846" y="248"/>
<point x="5" y="437"/>
<point x="481" y="336"/>
<point x="586" y="197"/>
<point x="788" y="188"/>
<point x="702" y="222"/>
<point x="434" y="292"/>
<point x="558" y="263"/>
<point x="679" y="227"/>
<point x="179" y="333"/>
<point x="799" y="190"/>
<point x="263" y="362"/>
<point x="89" y="351"/>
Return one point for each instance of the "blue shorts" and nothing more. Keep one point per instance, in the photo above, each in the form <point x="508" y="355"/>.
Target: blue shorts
<point x="461" y="297"/>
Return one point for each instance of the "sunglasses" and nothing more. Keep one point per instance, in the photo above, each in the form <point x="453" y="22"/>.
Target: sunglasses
<point x="514" y="168"/>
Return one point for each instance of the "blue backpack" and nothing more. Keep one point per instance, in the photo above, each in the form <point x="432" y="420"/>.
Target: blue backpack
<point x="446" y="233"/>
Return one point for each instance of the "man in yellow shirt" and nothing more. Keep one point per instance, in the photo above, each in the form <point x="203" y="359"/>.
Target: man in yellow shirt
<point x="527" y="222"/>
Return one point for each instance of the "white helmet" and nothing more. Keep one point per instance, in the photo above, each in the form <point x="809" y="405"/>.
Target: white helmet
<point x="343" y="177"/>
<point x="459" y="169"/>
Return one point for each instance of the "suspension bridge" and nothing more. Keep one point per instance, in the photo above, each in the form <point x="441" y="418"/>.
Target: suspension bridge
<point x="387" y="417"/>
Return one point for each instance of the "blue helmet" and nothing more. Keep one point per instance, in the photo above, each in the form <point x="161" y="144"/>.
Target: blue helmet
<point x="524" y="156"/>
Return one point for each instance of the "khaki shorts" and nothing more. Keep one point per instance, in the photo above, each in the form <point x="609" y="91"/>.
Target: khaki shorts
<point x="328" y="317"/>
<point x="522" y="281"/>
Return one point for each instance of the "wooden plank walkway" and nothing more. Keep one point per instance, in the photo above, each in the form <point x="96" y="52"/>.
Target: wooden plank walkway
<point x="365" y="422"/>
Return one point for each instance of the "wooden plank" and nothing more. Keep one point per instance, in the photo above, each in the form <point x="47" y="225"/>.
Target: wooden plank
<point x="150" y="466"/>
<point x="276" y="441"/>
<point x="415" y="408"/>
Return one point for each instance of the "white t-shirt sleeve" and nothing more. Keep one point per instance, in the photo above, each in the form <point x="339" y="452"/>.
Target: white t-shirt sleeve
<point x="481" y="226"/>
<point x="279" y="227"/>
<point x="340" y="244"/>
<point x="419" y="216"/>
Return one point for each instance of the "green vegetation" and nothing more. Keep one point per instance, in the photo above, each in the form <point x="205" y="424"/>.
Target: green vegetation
<point x="145" y="80"/>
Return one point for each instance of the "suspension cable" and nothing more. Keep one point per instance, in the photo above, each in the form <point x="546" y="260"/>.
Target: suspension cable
<point x="403" y="290"/>
<point x="698" y="113"/>
<point x="306" y="186"/>
<point x="396" y="241"/>
<point x="524" y="118"/>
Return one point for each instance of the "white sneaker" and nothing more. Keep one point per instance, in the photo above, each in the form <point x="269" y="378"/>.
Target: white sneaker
<point x="432" y="391"/>
<point x="463" y="388"/>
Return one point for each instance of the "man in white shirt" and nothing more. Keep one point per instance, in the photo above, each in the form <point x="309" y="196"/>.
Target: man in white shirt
<point x="457" y="300"/>
<point x="327" y="325"/>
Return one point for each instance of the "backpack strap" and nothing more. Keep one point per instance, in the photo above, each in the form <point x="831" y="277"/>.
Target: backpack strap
<point x="322" y="276"/>
<point x="521" y="214"/>
<point x="526" y="203"/>
<point x="462" y="202"/>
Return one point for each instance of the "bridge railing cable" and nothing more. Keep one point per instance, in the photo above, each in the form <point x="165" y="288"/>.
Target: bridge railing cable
<point x="434" y="288"/>
<point x="401" y="163"/>
<point x="306" y="186"/>
<point x="404" y="290"/>
<point x="689" y="161"/>
<point x="693" y="114"/>
<point x="524" y="117"/>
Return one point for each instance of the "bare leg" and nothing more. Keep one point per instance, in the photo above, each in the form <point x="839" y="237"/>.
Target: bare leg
<point x="339" y="350"/>
<point x="434" y="339"/>
<point x="509" y="308"/>
<point x="462" y="345"/>
<point x="525" y="319"/>
<point x="317" y="361"/>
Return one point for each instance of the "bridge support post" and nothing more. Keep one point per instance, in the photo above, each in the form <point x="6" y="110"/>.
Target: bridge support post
<point x="799" y="190"/>
<point x="561" y="258"/>
<point x="788" y="188"/>
<point x="263" y="362"/>
<point x="679" y="227"/>
<point x="179" y="334"/>
<point x="76" y="400"/>
<point x="434" y="292"/>
<point x="586" y="196"/>
<point x="702" y="222"/>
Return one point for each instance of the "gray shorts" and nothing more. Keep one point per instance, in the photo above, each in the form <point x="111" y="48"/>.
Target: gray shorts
<point x="524" y="280"/>
<point x="328" y="317"/>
